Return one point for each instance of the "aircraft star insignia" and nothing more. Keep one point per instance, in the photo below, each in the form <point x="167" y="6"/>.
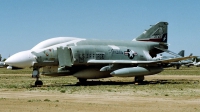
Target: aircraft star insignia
<point x="131" y="54"/>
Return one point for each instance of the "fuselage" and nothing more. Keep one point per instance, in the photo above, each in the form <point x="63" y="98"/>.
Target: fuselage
<point x="83" y="50"/>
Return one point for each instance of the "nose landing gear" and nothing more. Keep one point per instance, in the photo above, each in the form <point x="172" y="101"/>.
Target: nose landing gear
<point x="35" y="74"/>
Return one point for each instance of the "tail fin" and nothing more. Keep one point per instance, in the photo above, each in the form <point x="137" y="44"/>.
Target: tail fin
<point x="194" y="60"/>
<point x="157" y="33"/>
<point x="0" y="57"/>
<point x="181" y="53"/>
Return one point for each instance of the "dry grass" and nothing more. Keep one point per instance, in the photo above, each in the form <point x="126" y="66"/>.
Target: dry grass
<point x="170" y="90"/>
<point x="153" y="86"/>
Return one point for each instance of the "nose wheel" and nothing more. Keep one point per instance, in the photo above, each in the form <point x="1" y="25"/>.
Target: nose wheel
<point x="38" y="83"/>
<point x="35" y="74"/>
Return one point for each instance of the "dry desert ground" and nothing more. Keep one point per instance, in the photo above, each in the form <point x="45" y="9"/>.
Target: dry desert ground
<point x="174" y="93"/>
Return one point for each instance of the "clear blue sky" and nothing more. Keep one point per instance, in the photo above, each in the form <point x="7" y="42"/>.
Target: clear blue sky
<point x="24" y="23"/>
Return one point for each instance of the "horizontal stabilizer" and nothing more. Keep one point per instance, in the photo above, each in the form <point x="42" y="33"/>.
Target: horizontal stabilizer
<point x="175" y="59"/>
<point x="168" y="51"/>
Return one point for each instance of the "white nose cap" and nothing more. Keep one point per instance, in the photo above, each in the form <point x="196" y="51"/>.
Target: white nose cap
<point x="21" y="59"/>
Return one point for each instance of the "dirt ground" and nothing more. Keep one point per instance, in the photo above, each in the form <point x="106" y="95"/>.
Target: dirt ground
<point x="52" y="101"/>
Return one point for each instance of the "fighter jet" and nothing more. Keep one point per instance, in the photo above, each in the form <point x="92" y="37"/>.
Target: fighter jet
<point x="196" y="62"/>
<point x="161" y="57"/>
<point x="93" y="58"/>
<point x="177" y="64"/>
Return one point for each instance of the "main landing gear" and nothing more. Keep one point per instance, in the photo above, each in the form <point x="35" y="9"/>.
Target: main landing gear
<point x="35" y="74"/>
<point x="139" y="79"/>
<point x="81" y="81"/>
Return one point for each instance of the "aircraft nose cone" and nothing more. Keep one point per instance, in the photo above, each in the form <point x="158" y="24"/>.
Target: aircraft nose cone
<point x="21" y="59"/>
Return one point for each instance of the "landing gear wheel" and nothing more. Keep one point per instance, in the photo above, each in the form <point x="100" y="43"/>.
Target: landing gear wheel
<point x="139" y="79"/>
<point x="178" y="66"/>
<point x="82" y="81"/>
<point x="38" y="83"/>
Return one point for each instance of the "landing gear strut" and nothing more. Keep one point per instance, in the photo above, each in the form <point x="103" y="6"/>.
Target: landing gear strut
<point x="36" y="74"/>
<point x="139" y="79"/>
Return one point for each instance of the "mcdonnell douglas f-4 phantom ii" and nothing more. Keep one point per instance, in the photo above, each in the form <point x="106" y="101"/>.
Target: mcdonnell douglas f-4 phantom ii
<point x="92" y="58"/>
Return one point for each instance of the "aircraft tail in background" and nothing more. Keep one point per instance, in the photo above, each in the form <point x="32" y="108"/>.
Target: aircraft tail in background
<point x="182" y="53"/>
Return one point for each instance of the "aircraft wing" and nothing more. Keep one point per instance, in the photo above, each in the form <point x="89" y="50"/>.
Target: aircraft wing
<point x="138" y="62"/>
<point x="119" y="61"/>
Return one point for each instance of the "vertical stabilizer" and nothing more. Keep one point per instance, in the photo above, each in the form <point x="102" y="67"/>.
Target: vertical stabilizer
<point x="0" y="57"/>
<point x="157" y="33"/>
<point x="182" y="53"/>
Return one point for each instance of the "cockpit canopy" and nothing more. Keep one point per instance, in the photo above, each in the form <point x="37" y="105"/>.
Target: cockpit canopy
<point x="53" y="41"/>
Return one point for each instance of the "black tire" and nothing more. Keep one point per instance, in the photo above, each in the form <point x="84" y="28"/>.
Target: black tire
<point x="81" y="80"/>
<point x="139" y="79"/>
<point x="38" y="83"/>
